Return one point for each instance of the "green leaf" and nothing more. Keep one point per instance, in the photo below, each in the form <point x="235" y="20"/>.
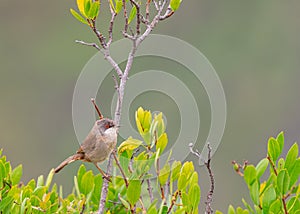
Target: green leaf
<point x="293" y="205"/>
<point x="49" y="178"/>
<point x="16" y="175"/>
<point x="194" y="178"/>
<point x="283" y="181"/>
<point x="87" y="183"/>
<point x="2" y="174"/>
<point x="133" y="191"/>
<point x="273" y="149"/>
<point x="76" y="184"/>
<point x="164" y="174"/>
<point x="40" y="181"/>
<point x="78" y="16"/>
<point x="280" y="164"/>
<point x="231" y="210"/>
<point x="129" y="144"/>
<point x="158" y="124"/>
<point x="275" y="207"/>
<point x="188" y="168"/>
<point x="119" y="5"/>
<point x="87" y="7"/>
<point x="269" y="197"/>
<point x="182" y="181"/>
<point x="194" y="195"/>
<point x="162" y="143"/>
<point x="175" y="4"/>
<point x="261" y="167"/>
<point x="280" y="140"/>
<point x="175" y="170"/>
<point x="124" y="202"/>
<point x="132" y="14"/>
<point x="81" y="172"/>
<point x="152" y="208"/>
<point x="254" y="192"/>
<point x="94" y="10"/>
<point x="250" y="175"/>
<point x="247" y="206"/>
<point x="6" y="202"/>
<point x="97" y="189"/>
<point x="295" y="173"/>
<point x="185" y="199"/>
<point x="291" y="157"/>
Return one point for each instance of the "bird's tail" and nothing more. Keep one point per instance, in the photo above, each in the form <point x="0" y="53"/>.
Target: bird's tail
<point x="78" y="156"/>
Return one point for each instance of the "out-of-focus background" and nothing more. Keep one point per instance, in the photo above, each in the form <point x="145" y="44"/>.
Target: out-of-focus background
<point x="253" y="45"/>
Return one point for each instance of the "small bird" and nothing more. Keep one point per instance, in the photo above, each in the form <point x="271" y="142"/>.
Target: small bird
<point x="97" y="146"/>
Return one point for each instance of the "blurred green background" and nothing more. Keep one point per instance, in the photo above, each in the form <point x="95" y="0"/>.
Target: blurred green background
<point x="253" y="45"/>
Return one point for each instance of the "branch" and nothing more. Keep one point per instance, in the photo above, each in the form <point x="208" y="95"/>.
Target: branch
<point x="149" y="188"/>
<point x="125" y="16"/>
<point x="110" y="31"/>
<point x="147" y="11"/>
<point x="169" y="13"/>
<point x="138" y="17"/>
<point x="120" y="168"/>
<point x="88" y="44"/>
<point x="209" y="197"/>
<point x="104" y="190"/>
<point x="113" y="63"/>
<point x="99" y="35"/>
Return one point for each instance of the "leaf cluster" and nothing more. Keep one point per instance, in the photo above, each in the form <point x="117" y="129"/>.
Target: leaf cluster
<point x="174" y="182"/>
<point x="280" y="191"/>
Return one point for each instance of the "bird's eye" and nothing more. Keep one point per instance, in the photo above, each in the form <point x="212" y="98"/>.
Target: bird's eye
<point x="107" y="126"/>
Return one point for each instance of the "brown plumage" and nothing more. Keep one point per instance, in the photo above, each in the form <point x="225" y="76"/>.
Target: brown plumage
<point x="97" y="146"/>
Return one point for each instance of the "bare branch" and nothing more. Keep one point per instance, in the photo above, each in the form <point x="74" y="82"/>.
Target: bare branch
<point x="88" y="44"/>
<point x="112" y="62"/>
<point x="149" y="188"/>
<point x="169" y="13"/>
<point x="209" y="197"/>
<point x="138" y="17"/>
<point x="120" y="168"/>
<point x="104" y="190"/>
<point x="99" y="35"/>
<point x="126" y="35"/>
<point x="110" y="30"/>
<point x="125" y="16"/>
<point x="156" y="5"/>
<point x="97" y="109"/>
<point x="147" y="11"/>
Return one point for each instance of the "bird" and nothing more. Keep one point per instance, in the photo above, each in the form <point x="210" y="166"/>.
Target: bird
<point x="96" y="147"/>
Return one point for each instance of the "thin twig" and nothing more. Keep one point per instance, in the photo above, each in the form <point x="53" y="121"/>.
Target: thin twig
<point x="97" y="109"/>
<point x="149" y="188"/>
<point x="147" y="11"/>
<point x="104" y="190"/>
<point x="169" y="12"/>
<point x="130" y="165"/>
<point x="125" y="16"/>
<point x="120" y="168"/>
<point x="209" y="197"/>
<point x="272" y="165"/>
<point x="110" y="30"/>
<point x="138" y="18"/>
<point x="99" y="35"/>
<point x="88" y="44"/>
<point x="113" y="63"/>
<point x="174" y="199"/>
